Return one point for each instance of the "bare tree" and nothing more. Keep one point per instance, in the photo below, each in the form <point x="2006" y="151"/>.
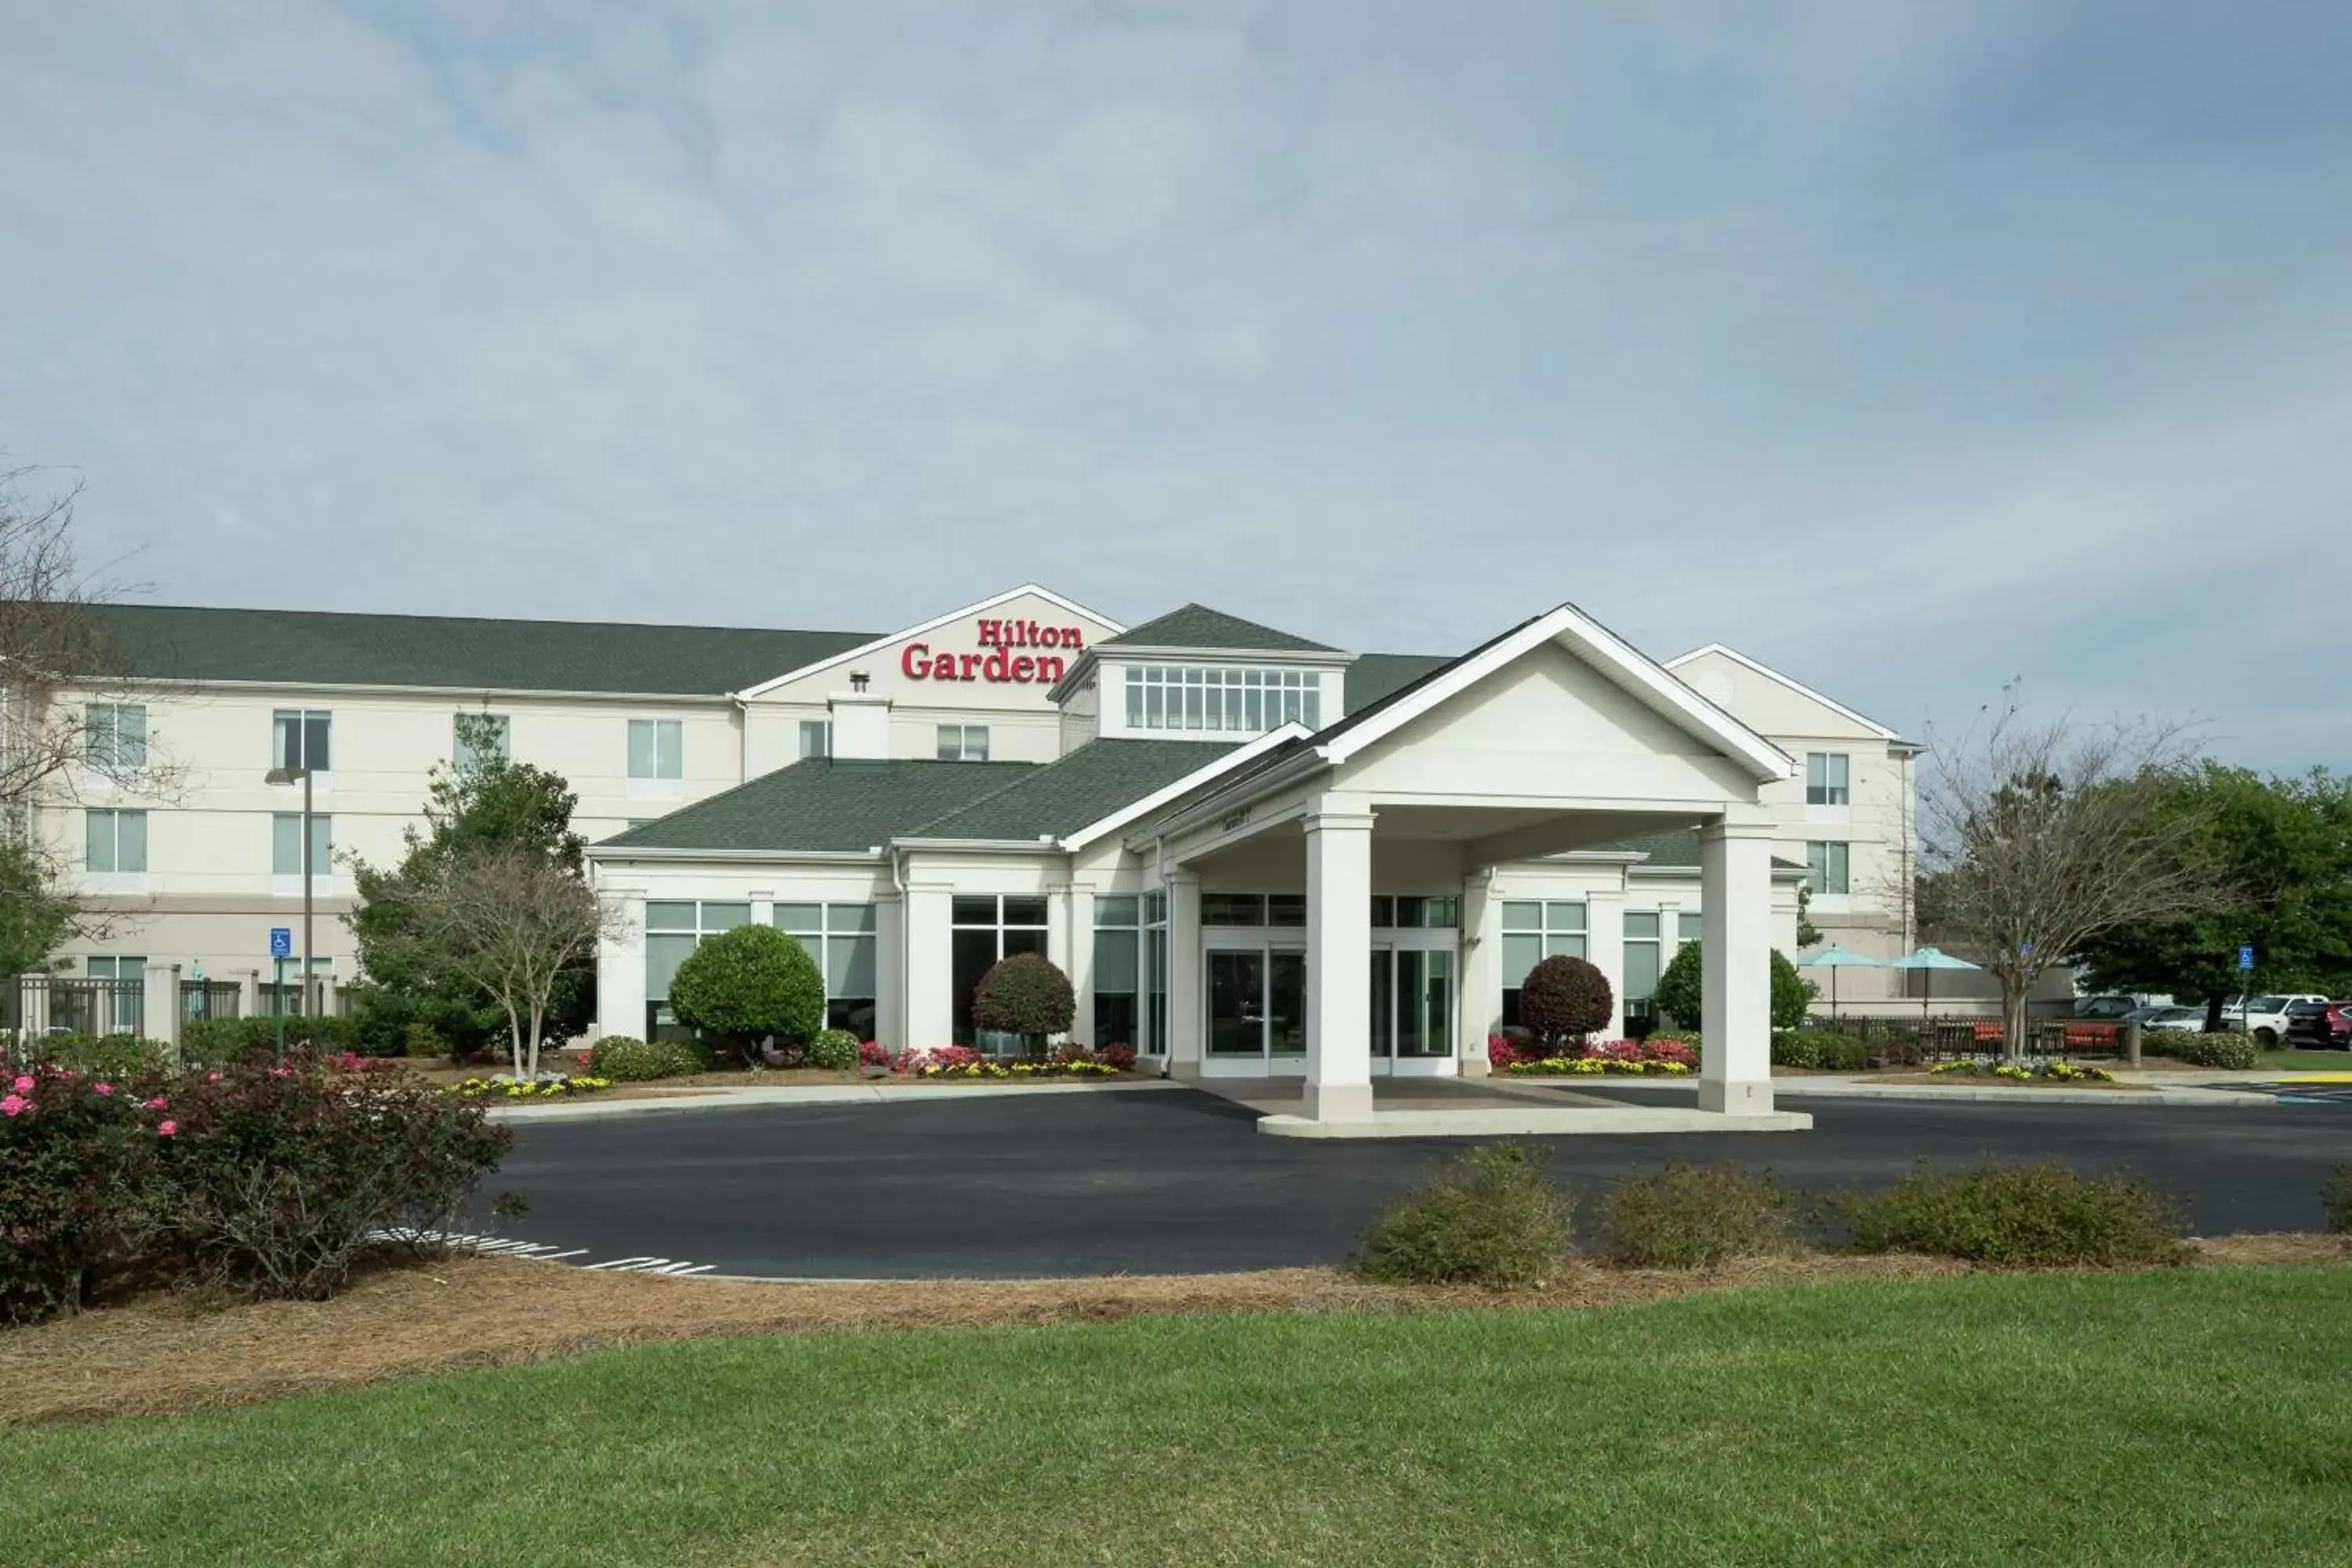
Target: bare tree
<point x="2036" y="837"/>
<point x="510" y="920"/>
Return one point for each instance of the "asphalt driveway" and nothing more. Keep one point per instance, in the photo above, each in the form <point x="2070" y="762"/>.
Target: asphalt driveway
<point x="1169" y="1181"/>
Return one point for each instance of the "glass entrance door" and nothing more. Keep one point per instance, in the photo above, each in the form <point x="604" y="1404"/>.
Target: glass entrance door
<point x="1257" y="1003"/>
<point x="1411" y="1006"/>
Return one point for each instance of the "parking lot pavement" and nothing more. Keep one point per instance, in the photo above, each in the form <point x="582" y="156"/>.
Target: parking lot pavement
<point x="1176" y="1181"/>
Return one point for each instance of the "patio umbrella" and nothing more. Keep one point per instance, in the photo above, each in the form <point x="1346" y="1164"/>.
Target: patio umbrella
<point x="1930" y="959"/>
<point x="1834" y="958"/>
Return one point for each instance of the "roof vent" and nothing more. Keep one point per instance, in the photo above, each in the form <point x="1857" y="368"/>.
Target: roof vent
<point x="857" y="680"/>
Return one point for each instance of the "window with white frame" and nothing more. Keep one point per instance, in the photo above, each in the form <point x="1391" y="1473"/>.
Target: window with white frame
<point x="1533" y="932"/>
<point x="1155" y="973"/>
<point x="1225" y="701"/>
<point x="478" y="739"/>
<point x="300" y="737"/>
<point x="114" y="736"/>
<point x="120" y="1007"/>
<point x="985" y="928"/>
<point x="657" y="749"/>
<point x="1828" y="866"/>
<point x="1689" y="926"/>
<point x="675" y="927"/>
<point x="285" y="843"/>
<point x="1644" y="950"/>
<point x="1119" y="970"/>
<point x="114" y="842"/>
<point x="817" y="738"/>
<point x="964" y="743"/>
<point x="1410" y="912"/>
<point x="841" y="938"/>
<point x="1825" y="778"/>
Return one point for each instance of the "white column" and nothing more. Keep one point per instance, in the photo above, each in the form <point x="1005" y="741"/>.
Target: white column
<point x="763" y="908"/>
<point x="1077" y="957"/>
<point x="1479" y="1005"/>
<point x="930" y="965"/>
<point x="1604" y="948"/>
<point x="1186" y="1026"/>
<point x="1736" y="899"/>
<point x="1338" y="961"/>
<point x="620" y="966"/>
<point x="160" y="1003"/>
<point x="890" y="971"/>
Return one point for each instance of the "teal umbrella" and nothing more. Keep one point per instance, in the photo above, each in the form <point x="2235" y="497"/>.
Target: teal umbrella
<point x="1930" y="959"/>
<point x="1834" y="958"/>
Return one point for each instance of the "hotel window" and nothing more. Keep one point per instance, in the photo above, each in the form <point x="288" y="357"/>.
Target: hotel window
<point x="115" y="841"/>
<point x="1689" y="926"/>
<point x="285" y="843"/>
<point x="817" y="738"/>
<point x="657" y="749"/>
<point x="675" y="927"/>
<point x="1642" y="945"/>
<point x="479" y="739"/>
<point x="840" y="937"/>
<point x="114" y="736"/>
<point x="1155" y="974"/>
<point x="1119" y="970"/>
<point x="121" y="1009"/>
<point x="987" y="926"/>
<point x="298" y="738"/>
<point x="964" y="743"/>
<point x="1825" y="778"/>
<point x="1253" y="909"/>
<point x="1412" y="912"/>
<point x="1827" y="866"/>
<point x="1227" y="701"/>
<point x="1532" y="932"/>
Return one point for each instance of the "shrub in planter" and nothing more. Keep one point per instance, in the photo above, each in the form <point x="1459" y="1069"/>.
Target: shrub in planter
<point x="280" y="1178"/>
<point x="2020" y="1215"/>
<point x="1119" y="1058"/>
<point x="1503" y="1053"/>
<point x="1680" y="989"/>
<point x="745" y="984"/>
<point x="1687" y="1217"/>
<point x="1565" y="998"/>
<point x="1024" y="995"/>
<point x="623" y="1059"/>
<point x="2232" y="1052"/>
<point x="2336" y="1198"/>
<point x="78" y="1184"/>
<point x="833" y="1049"/>
<point x="873" y="1054"/>
<point x="1494" y="1216"/>
<point x="1823" y="1049"/>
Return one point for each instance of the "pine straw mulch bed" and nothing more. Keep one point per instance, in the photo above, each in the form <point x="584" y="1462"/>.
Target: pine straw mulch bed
<point x="168" y="1353"/>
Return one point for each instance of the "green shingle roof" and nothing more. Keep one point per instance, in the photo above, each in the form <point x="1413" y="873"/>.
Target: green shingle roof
<point x="1197" y="626"/>
<point x="1675" y="848"/>
<point x="183" y="643"/>
<point x="826" y="804"/>
<point x="1085" y="786"/>
<point x="1374" y="677"/>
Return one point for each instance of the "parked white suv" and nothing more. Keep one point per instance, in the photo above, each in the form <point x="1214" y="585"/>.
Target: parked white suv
<point x="2262" y="1017"/>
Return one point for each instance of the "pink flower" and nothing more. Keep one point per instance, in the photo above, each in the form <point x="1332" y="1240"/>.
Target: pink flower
<point x="103" y="1088"/>
<point x="23" y="1084"/>
<point x="154" y="1104"/>
<point x="281" y="1072"/>
<point x="11" y="1105"/>
<point x="167" y="1129"/>
<point x="212" y="1078"/>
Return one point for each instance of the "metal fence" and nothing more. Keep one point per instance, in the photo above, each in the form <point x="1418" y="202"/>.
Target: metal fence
<point x="334" y="1001"/>
<point x="1898" y="1042"/>
<point x="59" y="1004"/>
<point x="204" y="999"/>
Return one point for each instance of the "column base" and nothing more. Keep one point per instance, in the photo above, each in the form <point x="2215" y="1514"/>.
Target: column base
<point x="1736" y="1097"/>
<point x="1339" y="1102"/>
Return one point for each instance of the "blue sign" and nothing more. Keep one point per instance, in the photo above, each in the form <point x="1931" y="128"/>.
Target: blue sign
<point x="281" y="941"/>
<point x="2246" y="955"/>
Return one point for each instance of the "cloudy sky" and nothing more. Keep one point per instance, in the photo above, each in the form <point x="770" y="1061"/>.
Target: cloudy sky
<point x="1910" y="348"/>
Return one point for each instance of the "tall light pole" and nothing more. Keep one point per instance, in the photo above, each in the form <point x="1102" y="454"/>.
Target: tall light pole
<point x="285" y="776"/>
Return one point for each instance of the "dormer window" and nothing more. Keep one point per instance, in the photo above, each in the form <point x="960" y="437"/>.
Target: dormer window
<point x="1230" y="702"/>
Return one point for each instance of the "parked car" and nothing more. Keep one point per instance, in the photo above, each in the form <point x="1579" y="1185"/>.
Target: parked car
<point x="2262" y="1017"/>
<point x="2326" y="1025"/>
<point x="2111" y="1008"/>
<point x="2178" y="1020"/>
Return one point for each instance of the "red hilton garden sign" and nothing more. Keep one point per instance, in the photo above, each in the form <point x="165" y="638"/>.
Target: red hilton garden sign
<point x="1000" y="664"/>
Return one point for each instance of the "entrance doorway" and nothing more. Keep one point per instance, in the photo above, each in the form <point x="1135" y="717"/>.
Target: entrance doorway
<point x="1257" y="1008"/>
<point x="1412" y="1009"/>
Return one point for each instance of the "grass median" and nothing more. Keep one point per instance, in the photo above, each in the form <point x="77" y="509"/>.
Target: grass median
<point x="2190" y="1416"/>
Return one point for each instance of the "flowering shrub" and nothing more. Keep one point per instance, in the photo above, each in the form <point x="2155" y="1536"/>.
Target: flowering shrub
<point x="1119" y="1057"/>
<point x="78" y="1183"/>
<point x="963" y="1061"/>
<point x="2017" y="1072"/>
<point x="625" y="1058"/>
<point x="1660" y="1056"/>
<point x="352" y="1061"/>
<point x="2230" y="1052"/>
<point x="835" y="1050"/>
<point x="512" y="1089"/>
<point x="873" y="1054"/>
<point x="1594" y="1066"/>
<point x="1503" y="1053"/>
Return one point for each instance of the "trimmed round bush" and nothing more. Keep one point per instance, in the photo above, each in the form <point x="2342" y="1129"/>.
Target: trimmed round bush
<point x="833" y="1049"/>
<point x="745" y="984"/>
<point x="2231" y="1052"/>
<point x="1687" y="1217"/>
<point x="1024" y="995"/>
<point x="1494" y="1216"/>
<point x="625" y="1058"/>
<point x="2045" y="1214"/>
<point x="1681" y="989"/>
<point x="1565" y="998"/>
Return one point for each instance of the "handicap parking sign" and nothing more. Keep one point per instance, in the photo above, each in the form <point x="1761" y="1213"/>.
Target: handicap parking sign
<point x="2246" y="956"/>
<point x="281" y="941"/>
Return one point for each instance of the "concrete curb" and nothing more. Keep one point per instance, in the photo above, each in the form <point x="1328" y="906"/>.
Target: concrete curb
<point x="1535" y="1122"/>
<point x="1832" y="1088"/>
<point x="824" y="1094"/>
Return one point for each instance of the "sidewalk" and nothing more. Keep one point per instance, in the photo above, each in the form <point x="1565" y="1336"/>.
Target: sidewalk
<point x="729" y="1098"/>
<point x="2137" y="1087"/>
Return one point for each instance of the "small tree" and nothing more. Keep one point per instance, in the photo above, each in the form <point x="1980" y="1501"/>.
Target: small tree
<point x="1564" y="998"/>
<point x="1024" y="995"/>
<point x="1683" y="984"/>
<point x="745" y="984"/>
<point x="508" y="921"/>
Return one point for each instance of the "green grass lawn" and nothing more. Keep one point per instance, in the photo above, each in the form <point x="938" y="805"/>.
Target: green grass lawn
<point x="2302" y="1060"/>
<point x="2198" y="1417"/>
